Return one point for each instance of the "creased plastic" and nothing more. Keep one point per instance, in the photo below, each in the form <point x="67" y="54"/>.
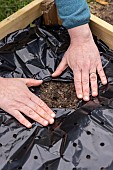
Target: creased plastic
<point x="80" y="139"/>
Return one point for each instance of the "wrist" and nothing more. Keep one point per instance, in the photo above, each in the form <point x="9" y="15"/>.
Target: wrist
<point x="80" y="34"/>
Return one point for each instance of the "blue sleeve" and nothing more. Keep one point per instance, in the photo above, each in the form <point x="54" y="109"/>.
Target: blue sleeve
<point x="73" y="13"/>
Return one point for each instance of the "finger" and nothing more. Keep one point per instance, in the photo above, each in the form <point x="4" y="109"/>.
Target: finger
<point x="101" y="73"/>
<point x="40" y="111"/>
<point x="93" y="81"/>
<point x="40" y="103"/>
<point x="77" y="82"/>
<point x="33" y="115"/>
<point x="20" y="118"/>
<point x="85" y="84"/>
<point x="31" y="82"/>
<point x="62" y="66"/>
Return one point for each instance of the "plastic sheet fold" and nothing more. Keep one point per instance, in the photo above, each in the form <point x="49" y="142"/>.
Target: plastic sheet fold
<point x="80" y="138"/>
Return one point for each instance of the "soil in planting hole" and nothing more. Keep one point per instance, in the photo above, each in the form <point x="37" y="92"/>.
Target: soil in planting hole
<point x="59" y="95"/>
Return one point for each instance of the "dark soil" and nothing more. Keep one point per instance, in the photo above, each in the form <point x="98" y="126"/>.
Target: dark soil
<point x="59" y="95"/>
<point x="104" y="12"/>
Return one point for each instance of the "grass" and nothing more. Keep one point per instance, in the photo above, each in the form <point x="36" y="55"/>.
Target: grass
<point x="8" y="7"/>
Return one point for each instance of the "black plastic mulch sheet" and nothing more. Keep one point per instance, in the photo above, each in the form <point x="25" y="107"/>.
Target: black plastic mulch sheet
<point x="80" y="139"/>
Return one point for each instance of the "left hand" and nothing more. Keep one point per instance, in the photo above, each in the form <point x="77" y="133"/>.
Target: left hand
<point x="83" y="58"/>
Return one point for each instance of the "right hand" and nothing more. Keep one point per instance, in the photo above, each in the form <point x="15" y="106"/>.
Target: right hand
<point x="16" y="98"/>
<point x="83" y="58"/>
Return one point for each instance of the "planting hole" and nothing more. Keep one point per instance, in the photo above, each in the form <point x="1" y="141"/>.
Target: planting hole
<point x="102" y="144"/>
<point x="102" y="168"/>
<point x="15" y="136"/>
<point x="35" y="157"/>
<point x="88" y="133"/>
<point x="59" y="94"/>
<point x="88" y="156"/>
<point x="0" y="145"/>
<point x="74" y="144"/>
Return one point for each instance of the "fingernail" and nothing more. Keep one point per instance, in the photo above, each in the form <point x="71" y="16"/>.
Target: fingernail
<point x="51" y="121"/>
<point x="86" y="98"/>
<point x="104" y="82"/>
<point x="29" y="125"/>
<point x="45" y="123"/>
<point x="80" y="96"/>
<point x="41" y="81"/>
<point x="53" y="115"/>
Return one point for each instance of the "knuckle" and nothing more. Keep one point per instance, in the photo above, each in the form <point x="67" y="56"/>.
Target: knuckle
<point x="93" y="77"/>
<point x="86" y="91"/>
<point x="41" y="103"/>
<point x="12" y="105"/>
<point x="94" y="88"/>
<point x="85" y="82"/>
<point x="35" y="107"/>
<point x="39" y="110"/>
<point x="100" y="70"/>
<point x="31" y="113"/>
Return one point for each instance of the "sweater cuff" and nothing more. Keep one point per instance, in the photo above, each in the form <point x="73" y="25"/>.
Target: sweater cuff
<point x="70" y="25"/>
<point x="73" y="13"/>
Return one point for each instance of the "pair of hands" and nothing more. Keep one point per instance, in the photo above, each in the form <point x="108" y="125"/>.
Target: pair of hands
<point x="82" y="57"/>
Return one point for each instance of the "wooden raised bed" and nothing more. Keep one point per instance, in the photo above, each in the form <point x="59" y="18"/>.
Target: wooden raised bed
<point x="36" y="8"/>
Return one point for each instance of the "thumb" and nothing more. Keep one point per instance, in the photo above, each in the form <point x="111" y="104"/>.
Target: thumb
<point x="62" y="66"/>
<point x="31" y="82"/>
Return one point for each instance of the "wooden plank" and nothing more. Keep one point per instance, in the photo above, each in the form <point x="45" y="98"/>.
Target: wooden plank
<point x="102" y="30"/>
<point x="21" y="18"/>
<point x="49" y="12"/>
<point x="26" y="15"/>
